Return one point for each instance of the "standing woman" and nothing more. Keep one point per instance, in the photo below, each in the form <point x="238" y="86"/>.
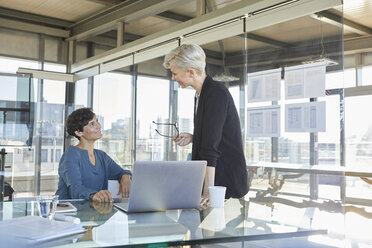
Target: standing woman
<point x="84" y="171"/>
<point x="217" y="134"/>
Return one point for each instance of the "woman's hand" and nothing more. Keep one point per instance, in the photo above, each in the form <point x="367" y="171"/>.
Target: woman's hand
<point x="124" y="188"/>
<point x="102" y="196"/>
<point x="204" y="200"/>
<point x="183" y="139"/>
<point x="208" y="181"/>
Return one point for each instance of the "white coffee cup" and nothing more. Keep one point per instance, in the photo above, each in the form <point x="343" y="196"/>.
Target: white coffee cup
<point x="217" y="196"/>
<point x="46" y="205"/>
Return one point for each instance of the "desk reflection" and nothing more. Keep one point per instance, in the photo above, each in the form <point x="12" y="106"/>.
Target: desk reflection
<point x="239" y="220"/>
<point x="137" y="228"/>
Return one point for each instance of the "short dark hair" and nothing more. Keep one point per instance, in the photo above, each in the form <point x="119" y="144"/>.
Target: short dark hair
<point x="77" y="120"/>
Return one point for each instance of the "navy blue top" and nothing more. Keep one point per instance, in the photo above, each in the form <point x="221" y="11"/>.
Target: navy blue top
<point x="79" y="178"/>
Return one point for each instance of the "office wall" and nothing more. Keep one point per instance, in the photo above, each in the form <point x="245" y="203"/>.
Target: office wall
<point x="27" y="46"/>
<point x="19" y="44"/>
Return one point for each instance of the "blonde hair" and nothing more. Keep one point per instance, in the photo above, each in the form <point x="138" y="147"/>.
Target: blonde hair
<point x="186" y="56"/>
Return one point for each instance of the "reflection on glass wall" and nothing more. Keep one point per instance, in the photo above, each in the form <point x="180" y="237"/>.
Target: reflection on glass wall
<point x="112" y="105"/>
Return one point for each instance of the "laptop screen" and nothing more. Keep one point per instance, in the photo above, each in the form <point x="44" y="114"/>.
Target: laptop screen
<point x="162" y="185"/>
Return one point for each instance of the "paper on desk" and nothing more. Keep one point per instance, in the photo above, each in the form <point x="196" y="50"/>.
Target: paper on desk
<point x="113" y="188"/>
<point x="33" y="230"/>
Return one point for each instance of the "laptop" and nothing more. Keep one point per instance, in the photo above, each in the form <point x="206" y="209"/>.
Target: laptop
<point x="163" y="185"/>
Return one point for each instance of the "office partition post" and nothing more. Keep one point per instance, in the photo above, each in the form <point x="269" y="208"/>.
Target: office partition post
<point x="2" y="171"/>
<point x="134" y="112"/>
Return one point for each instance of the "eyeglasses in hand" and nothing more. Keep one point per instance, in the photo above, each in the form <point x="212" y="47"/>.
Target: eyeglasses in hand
<point x="167" y="124"/>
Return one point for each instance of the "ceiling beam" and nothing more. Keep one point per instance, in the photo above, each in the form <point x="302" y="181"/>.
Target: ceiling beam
<point x="128" y="36"/>
<point x="210" y="8"/>
<point x="168" y="15"/>
<point x="103" y="41"/>
<point x="110" y="41"/>
<point x="358" y="45"/>
<point x="104" y="12"/>
<point x="268" y="41"/>
<point x="131" y="11"/>
<point x="173" y="17"/>
<point x="220" y="24"/>
<point x="33" y="28"/>
<point x="50" y="75"/>
<point x="301" y="52"/>
<point x="107" y="2"/>
<point x="298" y="53"/>
<point x="338" y="20"/>
<point x="33" y="18"/>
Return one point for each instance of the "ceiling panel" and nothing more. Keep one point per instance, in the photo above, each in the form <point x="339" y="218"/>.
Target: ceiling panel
<point x="360" y="11"/>
<point x="148" y="25"/>
<point x="292" y="32"/>
<point x="300" y="29"/>
<point x="218" y="4"/>
<point x="71" y="10"/>
<point x="188" y="9"/>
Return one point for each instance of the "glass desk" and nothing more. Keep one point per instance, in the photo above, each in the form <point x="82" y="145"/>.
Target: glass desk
<point x="238" y="221"/>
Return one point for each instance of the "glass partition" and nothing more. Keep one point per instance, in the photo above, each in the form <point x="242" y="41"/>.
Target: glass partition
<point x="32" y="160"/>
<point x="16" y="110"/>
<point x="296" y="81"/>
<point x="17" y="113"/>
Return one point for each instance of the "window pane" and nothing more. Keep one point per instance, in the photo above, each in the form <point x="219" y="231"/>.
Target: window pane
<point x="367" y="75"/>
<point x="358" y="133"/>
<point x="340" y="79"/>
<point x="50" y="128"/>
<point x="81" y="93"/>
<point x="235" y="93"/>
<point x="50" y="131"/>
<point x="152" y="105"/>
<point x="55" y="67"/>
<point x="112" y="105"/>
<point x="54" y="91"/>
<point x="185" y="119"/>
<point x="10" y="65"/>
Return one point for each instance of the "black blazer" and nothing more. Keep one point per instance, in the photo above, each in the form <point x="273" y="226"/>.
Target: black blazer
<point x="217" y="138"/>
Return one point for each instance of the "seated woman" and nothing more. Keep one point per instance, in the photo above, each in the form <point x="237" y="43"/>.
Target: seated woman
<point x="84" y="171"/>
